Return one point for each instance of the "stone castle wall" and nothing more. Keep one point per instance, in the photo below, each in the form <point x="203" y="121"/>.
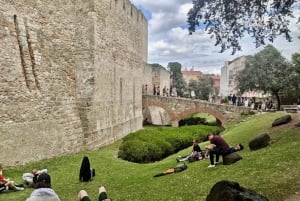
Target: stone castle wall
<point x="70" y="76"/>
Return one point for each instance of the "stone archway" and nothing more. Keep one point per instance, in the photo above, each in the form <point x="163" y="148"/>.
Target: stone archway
<point x="219" y="117"/>
<point x="146" y="109"/>
<point x="178" y="107"/>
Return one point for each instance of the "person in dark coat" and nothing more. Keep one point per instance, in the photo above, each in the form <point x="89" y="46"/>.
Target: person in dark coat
<point x="218" y="146"/>
<point x="85" y="170"/>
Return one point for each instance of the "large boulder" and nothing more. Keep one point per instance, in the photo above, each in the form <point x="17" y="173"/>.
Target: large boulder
<point x="231" y="158"/>
<point x="260" y="141"/>
<point x="282" y="120"/>
<point x="232" y="191"/>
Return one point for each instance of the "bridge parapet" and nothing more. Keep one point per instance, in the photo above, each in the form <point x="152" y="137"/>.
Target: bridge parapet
<point x="178" y="108"/>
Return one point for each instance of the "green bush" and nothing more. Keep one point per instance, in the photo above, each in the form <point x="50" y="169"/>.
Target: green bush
<point x="155" y="143"/>
<point x="192" y="121"/>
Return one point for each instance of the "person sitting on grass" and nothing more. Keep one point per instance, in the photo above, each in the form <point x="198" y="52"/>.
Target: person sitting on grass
<point x="83" y="196"/>
<point x="196" y="154"/>
<point x="7" y="184"/>
<point x="43" y="191"/>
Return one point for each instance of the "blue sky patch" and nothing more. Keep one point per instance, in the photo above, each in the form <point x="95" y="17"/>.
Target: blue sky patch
<point x="147" y="13"/>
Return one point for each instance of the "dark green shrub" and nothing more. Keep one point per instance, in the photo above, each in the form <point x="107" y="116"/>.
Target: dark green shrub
<point x="155" y="143"/>
<point x="192" y="121"/>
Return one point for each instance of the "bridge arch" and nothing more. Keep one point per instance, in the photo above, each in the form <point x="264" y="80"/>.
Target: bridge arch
<point x="177" y="108"/>
<point x="160" y="104"/>
<point x="175" y="118"/>
<point x="219" y="117"/>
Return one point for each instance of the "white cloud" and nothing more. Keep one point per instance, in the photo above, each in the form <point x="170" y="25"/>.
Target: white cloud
<point x="169" y="40"/>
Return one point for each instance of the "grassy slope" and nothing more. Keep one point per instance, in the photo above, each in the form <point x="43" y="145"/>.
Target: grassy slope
<point x="272" y="171"/>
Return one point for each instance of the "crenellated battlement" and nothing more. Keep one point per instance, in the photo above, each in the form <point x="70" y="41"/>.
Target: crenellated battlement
<point x="128" y="9"/>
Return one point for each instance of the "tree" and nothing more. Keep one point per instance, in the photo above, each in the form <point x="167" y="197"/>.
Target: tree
<point x="229" y="20"/>
<point x="156" y="65"/>
<point x="176" y="78"/>
<point x="194" y="85"/>
<point x="205" y="87"/>
<point x="296" y="61"/>
<point x="202" y="87"/>
<point x="268" y="71"/>
<point x="294" y="90"/>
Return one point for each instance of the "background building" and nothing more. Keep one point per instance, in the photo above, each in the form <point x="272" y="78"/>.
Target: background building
<point x="156" y="76"/>
<point x="189" y="75"/>
<point x="228" y="82"/>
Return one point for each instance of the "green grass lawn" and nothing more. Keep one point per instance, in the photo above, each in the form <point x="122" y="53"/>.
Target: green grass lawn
<point x="272" y="171"/>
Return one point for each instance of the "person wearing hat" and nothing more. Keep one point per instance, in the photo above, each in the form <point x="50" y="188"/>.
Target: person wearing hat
<point x="83" y="196"/>
<point x="43" y="191"/>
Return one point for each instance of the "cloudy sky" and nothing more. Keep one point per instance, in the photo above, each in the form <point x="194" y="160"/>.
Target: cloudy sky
<point x="169" y="41"/>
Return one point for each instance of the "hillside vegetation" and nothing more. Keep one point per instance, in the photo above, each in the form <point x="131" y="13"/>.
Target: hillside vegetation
<point x="272" y="171"/>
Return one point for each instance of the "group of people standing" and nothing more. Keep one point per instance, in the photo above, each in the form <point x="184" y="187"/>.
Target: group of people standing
<point x="241" y="101"/>
<point x="263" y="105"/>
<point x="156" y="91"/>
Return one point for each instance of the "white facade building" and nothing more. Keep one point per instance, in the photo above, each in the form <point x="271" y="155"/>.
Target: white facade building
<point x="229" y="73"/>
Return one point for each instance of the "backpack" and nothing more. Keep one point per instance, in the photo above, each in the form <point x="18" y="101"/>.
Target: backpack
<point x="86" y="173"/>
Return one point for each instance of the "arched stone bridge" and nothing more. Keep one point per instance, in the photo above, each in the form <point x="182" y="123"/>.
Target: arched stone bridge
<point x="178" y="108"/>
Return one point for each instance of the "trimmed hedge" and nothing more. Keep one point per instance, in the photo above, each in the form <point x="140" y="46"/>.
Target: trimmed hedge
<point x="192" y="121"/>
<point x="155" y="143"/>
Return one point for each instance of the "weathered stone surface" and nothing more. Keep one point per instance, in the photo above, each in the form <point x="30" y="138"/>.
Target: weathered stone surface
<point x="232" y="191"/>
<point x="259" y="142"/>
<point x="231" y="158"/>
<point x="291" y="110"/>
<point x="282" y="120"/>
<point x="178" y="108"/>
<point x="70" y="76"/>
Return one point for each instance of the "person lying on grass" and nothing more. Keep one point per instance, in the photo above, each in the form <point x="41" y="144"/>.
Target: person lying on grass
<point x="178" y="168"/>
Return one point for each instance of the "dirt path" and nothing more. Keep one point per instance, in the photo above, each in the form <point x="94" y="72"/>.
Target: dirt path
<point x="296" y="195"/>
<point x="293" y="197"/>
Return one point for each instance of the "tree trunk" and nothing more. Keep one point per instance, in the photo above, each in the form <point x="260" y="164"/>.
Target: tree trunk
<point x="278" y="100"/>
